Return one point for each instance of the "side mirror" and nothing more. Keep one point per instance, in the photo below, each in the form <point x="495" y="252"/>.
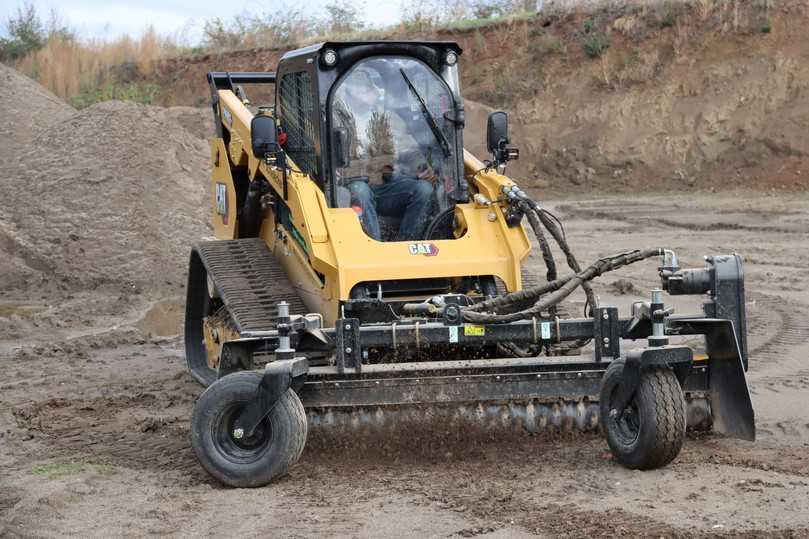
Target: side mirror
<point x="342" y="147"/>
<point x="496" y="131"/>
<point x="264" y="137"/>
<point x="497" y="138"/>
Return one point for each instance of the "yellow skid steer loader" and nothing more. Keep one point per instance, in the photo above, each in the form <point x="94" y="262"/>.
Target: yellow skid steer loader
<point x="366" y="263"/>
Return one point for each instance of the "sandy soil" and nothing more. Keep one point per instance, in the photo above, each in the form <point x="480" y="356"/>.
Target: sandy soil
<point x="94" y="422"/>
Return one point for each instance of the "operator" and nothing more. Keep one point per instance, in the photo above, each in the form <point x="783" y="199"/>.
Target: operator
<point x="390" y="172"/>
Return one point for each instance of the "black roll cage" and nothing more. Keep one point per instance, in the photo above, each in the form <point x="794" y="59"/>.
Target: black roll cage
<point x="324" y="78"/>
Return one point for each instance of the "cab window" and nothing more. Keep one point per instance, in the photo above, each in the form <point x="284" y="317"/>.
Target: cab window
<point x="393" y="146"/>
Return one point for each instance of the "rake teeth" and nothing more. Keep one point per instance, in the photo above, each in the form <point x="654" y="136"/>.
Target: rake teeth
<point x="531" y="416"/>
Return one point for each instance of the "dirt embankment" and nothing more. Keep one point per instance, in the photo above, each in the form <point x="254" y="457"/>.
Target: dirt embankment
<point x="107" y="197"/>
<point x="684" y="97"/>
<point x="674" y="96"/>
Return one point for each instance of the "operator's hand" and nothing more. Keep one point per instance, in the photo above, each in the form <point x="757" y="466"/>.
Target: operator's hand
<point x="427" y="173"/>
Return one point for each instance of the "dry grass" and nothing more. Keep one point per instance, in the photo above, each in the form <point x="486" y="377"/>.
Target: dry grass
<point x="70" y="67"/>
<point x="85" y="71"/>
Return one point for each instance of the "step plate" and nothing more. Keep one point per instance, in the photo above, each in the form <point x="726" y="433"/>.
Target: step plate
<point x="250" y="282"/>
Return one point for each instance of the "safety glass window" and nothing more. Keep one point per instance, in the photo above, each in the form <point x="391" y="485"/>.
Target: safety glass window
<point x="393" y="146"/>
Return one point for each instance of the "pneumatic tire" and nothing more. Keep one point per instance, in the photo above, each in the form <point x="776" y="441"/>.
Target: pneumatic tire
<point x="651" y="431"/>
<point x="276" y="444"/>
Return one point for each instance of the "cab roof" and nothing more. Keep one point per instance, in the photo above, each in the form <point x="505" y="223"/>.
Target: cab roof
<point x="369" y="48"/>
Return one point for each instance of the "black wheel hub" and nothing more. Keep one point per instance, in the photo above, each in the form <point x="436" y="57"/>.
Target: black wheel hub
<point x="243" y="449"/>
<point x="626" y="423"/>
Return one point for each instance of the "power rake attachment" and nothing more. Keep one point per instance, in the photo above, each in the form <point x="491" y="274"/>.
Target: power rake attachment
<point x="369" y="272"/>
<point x="641" y="389"/>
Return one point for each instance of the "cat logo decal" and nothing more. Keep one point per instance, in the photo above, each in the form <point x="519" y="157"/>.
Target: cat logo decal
<point x="426" y="249"/>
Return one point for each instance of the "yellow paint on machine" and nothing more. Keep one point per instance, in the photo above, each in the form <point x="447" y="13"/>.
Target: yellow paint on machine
<point x="325" y="251"/>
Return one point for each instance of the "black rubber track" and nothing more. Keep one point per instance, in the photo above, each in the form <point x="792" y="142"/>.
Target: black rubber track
<point x="251" y="284"/>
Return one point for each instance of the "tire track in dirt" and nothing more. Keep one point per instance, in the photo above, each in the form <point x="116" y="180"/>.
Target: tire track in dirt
<point x="777" y="326"/>
<point x="783" y="460"/>
<point x="147" y="431"/>
<point x="797" y="380"/>
<point x="619" y="214"/>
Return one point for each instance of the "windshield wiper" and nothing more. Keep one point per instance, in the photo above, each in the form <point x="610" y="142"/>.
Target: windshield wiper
<point x="439" y="135"/>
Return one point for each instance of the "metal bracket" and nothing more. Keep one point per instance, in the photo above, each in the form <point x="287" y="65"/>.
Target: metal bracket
<point x="728" y="295"/>
<point x="234" y="357"/>
<point x="679" y="358"/>
<point x="278" y="377"/>
<point x="607" y="333"/>
<point x="731" y="406"/>
<point x="723" y="280"/>
<point x="348" y="351"/>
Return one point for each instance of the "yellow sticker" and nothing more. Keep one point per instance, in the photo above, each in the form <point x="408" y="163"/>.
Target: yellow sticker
<point x="470" y="330"/>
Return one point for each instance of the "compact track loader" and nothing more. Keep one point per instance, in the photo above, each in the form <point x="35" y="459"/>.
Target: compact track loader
<point x="368" y="269"/>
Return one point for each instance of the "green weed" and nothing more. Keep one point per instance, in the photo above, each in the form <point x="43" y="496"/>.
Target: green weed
<point x="668" y="19"/>
<point x="143" y="93"/>
<point x="595" y="45"/>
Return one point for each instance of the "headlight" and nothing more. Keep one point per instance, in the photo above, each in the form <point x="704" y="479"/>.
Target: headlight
<point x="451" y="58"/>
<point x="329" y="57"/>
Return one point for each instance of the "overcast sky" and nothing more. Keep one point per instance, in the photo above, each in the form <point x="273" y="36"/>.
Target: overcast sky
<point x="105" y="18"/>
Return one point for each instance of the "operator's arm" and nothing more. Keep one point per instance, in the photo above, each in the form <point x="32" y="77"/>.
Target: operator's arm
<point x="416" y="157"/>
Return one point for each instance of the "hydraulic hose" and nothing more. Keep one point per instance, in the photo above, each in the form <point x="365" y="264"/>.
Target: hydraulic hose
<point x="563" y="245"/>
<point x="536" y="226"/>
<point x="539" y="218"/>
<point x="529" y="209"/>
<point x="519" y="296"/>
<point x="562" y="288"/>
<point x="545" y="249"/>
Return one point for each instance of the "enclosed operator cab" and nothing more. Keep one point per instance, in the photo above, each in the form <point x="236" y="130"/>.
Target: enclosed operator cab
<point x="371" y="199"/>
<point x="391" y="125"/>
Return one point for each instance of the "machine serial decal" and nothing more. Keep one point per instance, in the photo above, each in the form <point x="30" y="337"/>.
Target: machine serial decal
<point x="222" y="201"/>
<point x="426" y="249"/>
<point x="227" y="116"/>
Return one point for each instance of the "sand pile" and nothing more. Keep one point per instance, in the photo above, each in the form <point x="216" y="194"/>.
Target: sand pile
<point x="26" y="107"/>
<point x="114" y="194"/>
